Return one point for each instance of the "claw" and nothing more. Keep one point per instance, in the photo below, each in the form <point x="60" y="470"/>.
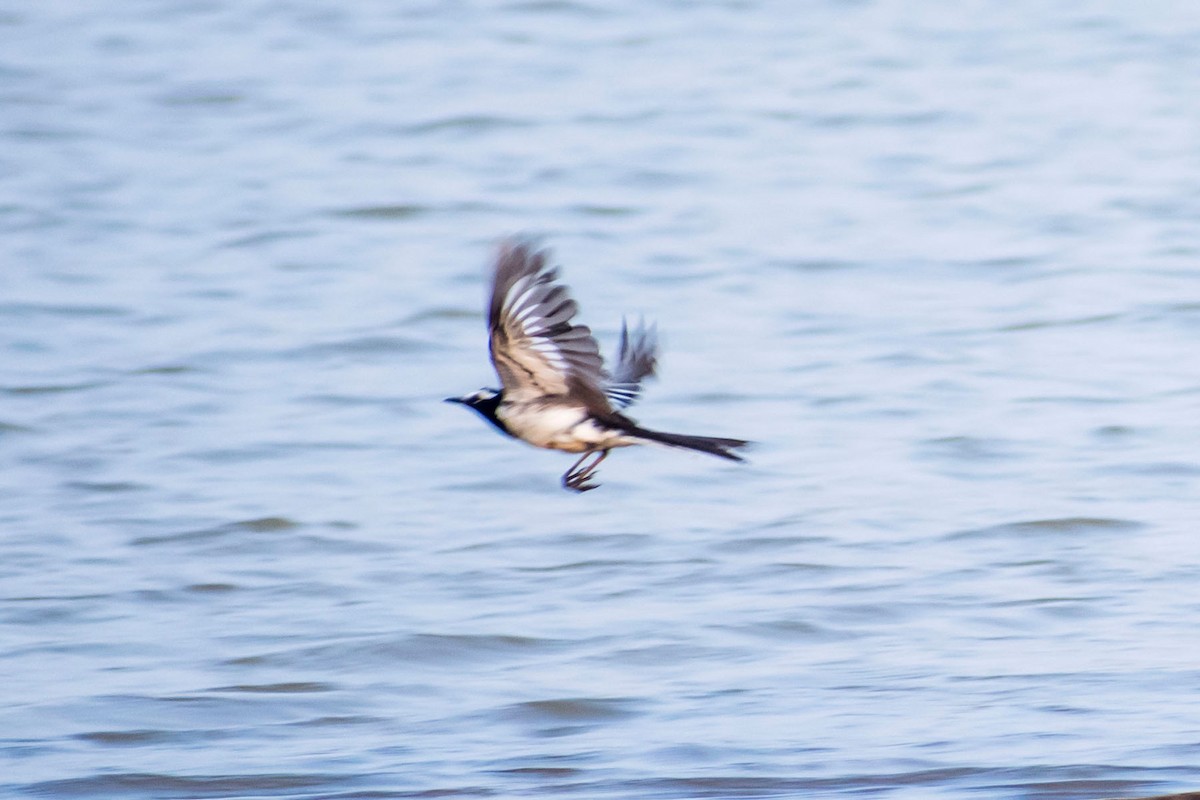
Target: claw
<point x="579" y="482"/>
<point x="577" y="478"/>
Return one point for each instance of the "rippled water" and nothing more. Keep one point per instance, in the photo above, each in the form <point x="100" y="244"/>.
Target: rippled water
<point x="939" y="260"/>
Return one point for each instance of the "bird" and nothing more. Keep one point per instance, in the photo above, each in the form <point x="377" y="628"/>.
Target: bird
<point x="556" y="393"/>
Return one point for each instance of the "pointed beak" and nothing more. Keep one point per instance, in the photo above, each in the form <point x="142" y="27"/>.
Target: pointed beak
<point x="454" y="400"/>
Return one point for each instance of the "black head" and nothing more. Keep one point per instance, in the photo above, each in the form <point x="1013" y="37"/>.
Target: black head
<point x="484" y="402"/>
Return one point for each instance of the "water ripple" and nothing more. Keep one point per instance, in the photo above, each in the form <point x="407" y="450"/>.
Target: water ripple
<point x="414" y="649"/>
<point x="1057" y="527"/>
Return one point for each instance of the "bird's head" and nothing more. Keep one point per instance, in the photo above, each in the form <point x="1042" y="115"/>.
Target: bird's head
<point x="484" y="401"/>
<point x="476" y="399"/>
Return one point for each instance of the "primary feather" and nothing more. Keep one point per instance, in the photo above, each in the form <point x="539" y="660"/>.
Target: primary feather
<point x="637" y="358"/>
<point x="536" y="349"/>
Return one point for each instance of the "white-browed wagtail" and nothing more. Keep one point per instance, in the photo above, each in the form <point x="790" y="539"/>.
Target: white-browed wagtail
<point x="556" y="393"/>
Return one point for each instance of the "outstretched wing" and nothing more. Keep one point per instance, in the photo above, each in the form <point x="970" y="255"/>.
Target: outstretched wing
<point x="637" y="358"/>
<point x="535" y="348"/>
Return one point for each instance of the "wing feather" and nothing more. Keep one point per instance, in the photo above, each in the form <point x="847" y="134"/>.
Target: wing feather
<point x="637" y="359"/>
<point x="536" y="349"/>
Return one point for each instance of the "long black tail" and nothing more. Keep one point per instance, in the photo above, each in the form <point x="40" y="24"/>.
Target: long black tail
<point x="704" y="444"/>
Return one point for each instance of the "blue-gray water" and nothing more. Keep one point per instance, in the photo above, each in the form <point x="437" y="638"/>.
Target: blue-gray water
<point x="940" y="260"/>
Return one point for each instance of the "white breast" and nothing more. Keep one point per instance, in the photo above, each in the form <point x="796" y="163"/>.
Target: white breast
<point x="557" y="427"/>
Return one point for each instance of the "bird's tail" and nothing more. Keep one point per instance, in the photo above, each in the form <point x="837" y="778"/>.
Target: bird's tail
<point x="705" y="444"/>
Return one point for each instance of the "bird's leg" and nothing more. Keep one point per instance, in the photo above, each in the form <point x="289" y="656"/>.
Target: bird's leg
<point x="568" y="479"/>
<point x="592" y="467"/>
<point x="576" y="477"/>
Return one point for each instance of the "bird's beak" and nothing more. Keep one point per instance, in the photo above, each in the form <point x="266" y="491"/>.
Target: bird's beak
<point x="454" y="400"/>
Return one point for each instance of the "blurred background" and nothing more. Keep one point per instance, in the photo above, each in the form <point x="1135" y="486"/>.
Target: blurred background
<point x="939" y="260"/>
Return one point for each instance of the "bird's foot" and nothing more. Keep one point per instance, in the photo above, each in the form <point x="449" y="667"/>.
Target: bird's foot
<point x="578" y="477"/>
<point x="579" y="482"/>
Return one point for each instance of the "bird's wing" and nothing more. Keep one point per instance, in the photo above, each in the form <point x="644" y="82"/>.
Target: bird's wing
<point x="536" y="349"/>
<point x="636" y="359"/>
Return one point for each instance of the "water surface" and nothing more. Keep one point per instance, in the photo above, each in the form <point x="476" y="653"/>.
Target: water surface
<point x="939" y="262"/>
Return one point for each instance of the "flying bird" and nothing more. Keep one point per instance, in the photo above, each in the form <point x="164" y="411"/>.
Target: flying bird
<point x="556" y="393"/>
